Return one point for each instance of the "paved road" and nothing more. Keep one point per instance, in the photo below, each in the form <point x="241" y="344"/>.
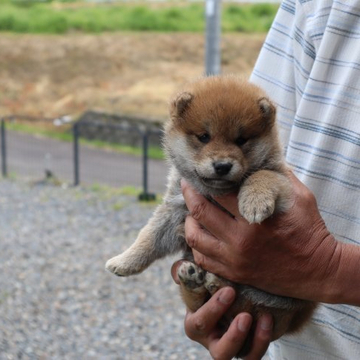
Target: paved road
<point x="29" y="156"/>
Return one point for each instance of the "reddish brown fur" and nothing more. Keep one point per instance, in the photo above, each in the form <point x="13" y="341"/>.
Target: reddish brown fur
<point x="209" y="94"/>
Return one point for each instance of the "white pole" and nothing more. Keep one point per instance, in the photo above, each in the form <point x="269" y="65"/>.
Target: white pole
<point x="213" y="31"/>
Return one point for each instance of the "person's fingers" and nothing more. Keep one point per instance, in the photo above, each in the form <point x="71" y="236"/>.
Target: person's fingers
<point x="199" y="206"/>
<point x="201" y="240"/>
<point x="210" y="216"/>
<point x="204" y="320"/>
<point x="233" y="339"/>
<point x="216" y="266"/>
<point x="262" y="337"/>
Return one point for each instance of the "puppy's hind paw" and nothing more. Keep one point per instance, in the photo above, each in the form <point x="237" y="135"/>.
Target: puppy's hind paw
<point x="213" y="283"/>
<point x="191" y="275"/>
<point x="122" y="266"/>
<point x="113" y="266"/>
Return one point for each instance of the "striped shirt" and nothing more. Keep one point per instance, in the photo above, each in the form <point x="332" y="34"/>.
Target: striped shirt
<point x="310" y="67"/>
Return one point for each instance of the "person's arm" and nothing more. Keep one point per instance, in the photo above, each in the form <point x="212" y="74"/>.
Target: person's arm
<point x="291" y="254"/>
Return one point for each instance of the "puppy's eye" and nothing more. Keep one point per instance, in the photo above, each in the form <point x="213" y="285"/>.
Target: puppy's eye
<point x="240" y="141"/>
<point x="204" y="138"/>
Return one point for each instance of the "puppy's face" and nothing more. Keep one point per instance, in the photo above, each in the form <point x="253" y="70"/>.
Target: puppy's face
<point x="220" y="130"/>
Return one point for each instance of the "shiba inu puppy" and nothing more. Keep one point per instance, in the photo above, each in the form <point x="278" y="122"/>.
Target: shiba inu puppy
<point x="221" y="137"/>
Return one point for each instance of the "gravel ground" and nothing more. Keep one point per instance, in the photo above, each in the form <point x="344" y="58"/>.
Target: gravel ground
<point x="56" y="299"/>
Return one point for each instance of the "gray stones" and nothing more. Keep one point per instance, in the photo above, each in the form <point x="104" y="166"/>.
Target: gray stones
<point x="56" y="299"/>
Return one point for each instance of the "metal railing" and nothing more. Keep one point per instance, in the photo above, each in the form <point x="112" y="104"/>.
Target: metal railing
<point x="76" y="130"/>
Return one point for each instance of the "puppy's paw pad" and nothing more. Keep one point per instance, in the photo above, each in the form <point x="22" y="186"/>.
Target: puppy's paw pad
<point x="191" y="275"/>
<point x="212" y="283"/>
<point x="255" y="208"/>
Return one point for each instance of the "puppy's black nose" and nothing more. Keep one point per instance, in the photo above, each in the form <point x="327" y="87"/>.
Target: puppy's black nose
<point x="222" y="168"/>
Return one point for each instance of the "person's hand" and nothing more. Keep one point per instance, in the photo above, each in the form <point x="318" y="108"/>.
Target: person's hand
<point x="291" y="254"/>
<point x="201" y="326"/>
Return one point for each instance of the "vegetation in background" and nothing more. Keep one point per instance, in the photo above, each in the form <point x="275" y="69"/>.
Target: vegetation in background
<point x="64" y="134"/>
<point x="248" y="18"/>
<point x="112" y="192"/>
<point x="62" y="17"/>
<point x="108" y="192"/>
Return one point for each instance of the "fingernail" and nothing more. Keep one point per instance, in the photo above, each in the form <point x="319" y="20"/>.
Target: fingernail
<point x="226" y="296"/>
<point x="266" y="322"/>
<point x="244" y="322"/>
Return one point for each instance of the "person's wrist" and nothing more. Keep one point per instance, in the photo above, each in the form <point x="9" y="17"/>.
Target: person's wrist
<point x="344" y="287"/>
<point x="331" y="253"/>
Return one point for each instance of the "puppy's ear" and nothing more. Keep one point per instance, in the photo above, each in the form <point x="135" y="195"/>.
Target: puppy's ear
<point x="268" y="111"/>
<point x="180" y="104"/>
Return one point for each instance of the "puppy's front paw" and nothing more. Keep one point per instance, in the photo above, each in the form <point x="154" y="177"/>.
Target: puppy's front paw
<point x="191" y="275"/>
<point x="254" y="206"/>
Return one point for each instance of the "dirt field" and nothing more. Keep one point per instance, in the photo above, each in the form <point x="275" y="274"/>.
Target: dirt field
<point x="133" y="73"/>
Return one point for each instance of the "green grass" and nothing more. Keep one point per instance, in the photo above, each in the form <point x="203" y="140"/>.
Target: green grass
<point x="10" y="176"/>
<point x="66" y="135"/>
<point x="33" y="17"/>
<point x="3" y="296"/>
<point x="153" y="152"/>
<point x="109" y="193"/>
<point x="112" y="192"/>
<point x="125" y="190"/>
<point x="248" y="18"/>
